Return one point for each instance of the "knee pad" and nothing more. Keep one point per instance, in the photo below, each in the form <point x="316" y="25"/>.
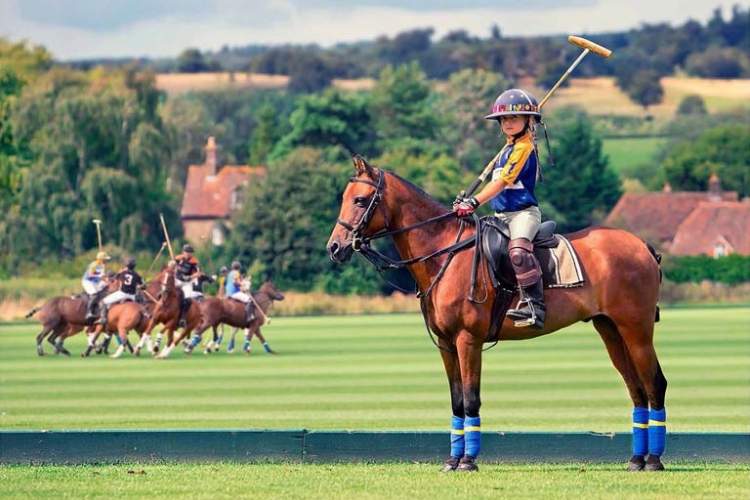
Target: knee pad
<point x="523" y="260"/>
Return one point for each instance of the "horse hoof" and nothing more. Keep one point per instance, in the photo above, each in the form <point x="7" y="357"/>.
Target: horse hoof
<point x="637" y="463"/>
<point x="450" y="464"/>
<point x="653" y="463"/>
<point x="467" y="464"/>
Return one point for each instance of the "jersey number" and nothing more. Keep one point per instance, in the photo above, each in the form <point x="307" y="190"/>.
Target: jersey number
<point x="127" y="279"/>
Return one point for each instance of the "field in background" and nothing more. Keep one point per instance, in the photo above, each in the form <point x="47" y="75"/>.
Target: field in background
<point x="346" y="481"/>
<point x="626" y="153"/>
<point x="599" y="96"/>
<point x="379" y="373"/>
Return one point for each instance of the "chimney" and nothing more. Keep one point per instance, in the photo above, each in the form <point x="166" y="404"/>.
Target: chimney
<point x="714" y="188"/>
<point x="211" y="156"/>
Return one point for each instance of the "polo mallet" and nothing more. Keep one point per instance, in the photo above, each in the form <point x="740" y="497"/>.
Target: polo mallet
<point x="98" y="224"/>
<point x="166" y="236"/>
<point x="587" y="46"/>
<point x="157" y="257"/>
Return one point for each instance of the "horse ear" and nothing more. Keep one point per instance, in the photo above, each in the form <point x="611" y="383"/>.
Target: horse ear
<point x="362" y="167"/>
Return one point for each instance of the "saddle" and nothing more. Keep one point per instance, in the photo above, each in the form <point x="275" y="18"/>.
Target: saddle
<point x="495" y="240"/>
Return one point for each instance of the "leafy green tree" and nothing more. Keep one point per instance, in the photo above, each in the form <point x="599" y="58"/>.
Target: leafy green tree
<point x="191" y="61"/>
<point x="286" y="220"/>
<point x="402" y="105"/>
<point x="645" y="88"/>
<point x="332" y="118"/>
<point x="24" y="60"/>
<point x="469" y="96"/>
<point x="96" y="151"/>
<point x="580" y="186"/>
<point x="265" y="135"/>
<point x="719" y="62"/>
<point x="692" y="105"/>
<point x="722" y="150"/>
<point x="309" y="74"/>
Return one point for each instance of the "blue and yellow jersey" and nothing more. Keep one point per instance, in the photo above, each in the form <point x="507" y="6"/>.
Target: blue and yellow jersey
<point x="95" y="272"/>
<point x="233" y="283"/>
<point x="518" y="166"/>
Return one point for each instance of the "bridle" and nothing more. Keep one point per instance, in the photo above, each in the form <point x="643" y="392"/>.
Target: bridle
<point x="364" y="221"/>
<point x="382" y="262"/>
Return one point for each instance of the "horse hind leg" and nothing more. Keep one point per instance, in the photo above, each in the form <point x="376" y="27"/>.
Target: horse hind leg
<point x="620" y="357"/>
<point x="638" y="339"/>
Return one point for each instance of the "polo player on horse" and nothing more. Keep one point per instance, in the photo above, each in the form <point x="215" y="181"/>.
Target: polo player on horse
<point x="130" y="282"/>
<point x="186" y="271"/>
<point x="510" y="193"/>
<point x="94" y="282"/>
<point x="239" y="288"/>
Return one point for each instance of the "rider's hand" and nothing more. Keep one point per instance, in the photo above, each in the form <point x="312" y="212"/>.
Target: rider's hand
<point x="465" y="207"/>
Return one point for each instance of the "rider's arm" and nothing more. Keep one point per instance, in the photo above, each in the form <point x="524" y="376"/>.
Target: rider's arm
<point x="508" y="174"/>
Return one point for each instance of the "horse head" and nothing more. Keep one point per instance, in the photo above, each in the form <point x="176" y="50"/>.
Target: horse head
<point x="168" y="280"/>
<point x="270" y="289"/>
<point x="359" y="215"/>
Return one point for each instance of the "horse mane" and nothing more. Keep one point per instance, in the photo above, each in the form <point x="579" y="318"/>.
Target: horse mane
<point x="428" y="198"/>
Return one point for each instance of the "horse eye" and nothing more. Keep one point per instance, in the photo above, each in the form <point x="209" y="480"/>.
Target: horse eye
<point x="360" y="201"/>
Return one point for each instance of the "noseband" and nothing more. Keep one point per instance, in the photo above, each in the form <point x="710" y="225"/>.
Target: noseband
<point x="367" y="216"/>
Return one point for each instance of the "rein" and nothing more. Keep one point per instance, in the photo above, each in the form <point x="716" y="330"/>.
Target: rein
<point x="362" y="245"/>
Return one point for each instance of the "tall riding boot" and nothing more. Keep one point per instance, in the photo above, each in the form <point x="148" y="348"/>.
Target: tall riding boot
<point x="103" y="316"/>
<point x="530" y="310"/>
<point x="184" y="305"/>
<point x="90" y="305"/>
<point x="249" y="312"/>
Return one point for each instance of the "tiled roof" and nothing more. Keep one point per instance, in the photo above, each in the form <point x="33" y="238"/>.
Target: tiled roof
<point x="711" y="223"/>
<point x="656" y="216"/>
<point x="211" y="196"/>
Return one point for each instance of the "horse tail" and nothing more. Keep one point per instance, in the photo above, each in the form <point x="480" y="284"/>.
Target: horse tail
<point x="657" y="257"/>
<point x="32" y="312"/>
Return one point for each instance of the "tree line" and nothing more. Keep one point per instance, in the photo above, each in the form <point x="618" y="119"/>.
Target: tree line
<point x="105" y="143"/>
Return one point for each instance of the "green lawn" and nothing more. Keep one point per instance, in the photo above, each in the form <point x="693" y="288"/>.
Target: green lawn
<point x="379" y="372"/>
<point x="346" y="481"/>
<point x="627" y="153"/>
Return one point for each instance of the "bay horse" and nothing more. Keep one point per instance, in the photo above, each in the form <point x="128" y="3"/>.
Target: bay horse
<point x="167" y="311"/>
<point x="61" y="317"/>
<point x="218" y="310"/>
<point x="622" y="279"/>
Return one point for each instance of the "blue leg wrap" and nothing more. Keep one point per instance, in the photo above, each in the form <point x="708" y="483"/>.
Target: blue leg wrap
<point x="640" y="431"/>
<point x="457" y="437"/>
<point x="473" y="435"/>
<point x="230" y="347"/>
<point x="657" y="432"/>
<point x="266" y="347"/>
<point x="118" y="339"/>
<point x="195" y="341"/>
<point x="246" y="345"/>
<point x="219" y="339"/>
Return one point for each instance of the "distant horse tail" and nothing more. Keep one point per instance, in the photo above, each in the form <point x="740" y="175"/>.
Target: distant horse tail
<point x="657" y="257"/>
<point x="32" y="312"/>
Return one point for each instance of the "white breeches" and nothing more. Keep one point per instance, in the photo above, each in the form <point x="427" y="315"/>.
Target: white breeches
<point x="241" y="296"/>
<point x="117" y="296"/>
<point x="187" y="290"/>
<point x="92" y="288"/>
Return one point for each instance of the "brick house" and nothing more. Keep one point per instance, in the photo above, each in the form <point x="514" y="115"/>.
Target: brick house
<point x="715" y="229"/>
<point x="657" y="217"/>
<point x="211" y="195"/>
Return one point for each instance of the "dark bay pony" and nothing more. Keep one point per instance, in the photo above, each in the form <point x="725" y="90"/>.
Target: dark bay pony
<point x="61" y="317"/>
<point x="619" y="297"/>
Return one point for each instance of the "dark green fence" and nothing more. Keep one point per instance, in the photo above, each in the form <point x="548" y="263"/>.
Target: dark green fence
<point x="77" y="447"/>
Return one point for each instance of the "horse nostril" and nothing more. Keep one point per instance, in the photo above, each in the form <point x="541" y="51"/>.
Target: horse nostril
<point x="333" y="248"/>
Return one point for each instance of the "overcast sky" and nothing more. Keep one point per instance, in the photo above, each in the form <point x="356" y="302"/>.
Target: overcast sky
<point x="118" y="28"/>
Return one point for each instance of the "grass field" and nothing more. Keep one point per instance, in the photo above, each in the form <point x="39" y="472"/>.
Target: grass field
<point x="626" y="153"/>
<point x="413" y="481"/>
<point x="379" y="372"/>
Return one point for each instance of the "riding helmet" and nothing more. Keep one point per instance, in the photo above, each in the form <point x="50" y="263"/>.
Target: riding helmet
<point x="130" y="263"/>
<point x="223" y="270"/>
<point x="514" y="102"/>
<point x="187" y="248"/>
<point x="236" y="265"/>
<point x="102" y="256"/>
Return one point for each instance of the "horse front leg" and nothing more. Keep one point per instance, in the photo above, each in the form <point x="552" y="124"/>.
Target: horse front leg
<point x="470" y="361"/>
<point x="453" y="372"/>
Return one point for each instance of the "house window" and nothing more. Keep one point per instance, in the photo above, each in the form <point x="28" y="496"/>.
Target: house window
<point x="217" y="236"/>
<point x="235" y="200"/>
<point x="719" y="250"/>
